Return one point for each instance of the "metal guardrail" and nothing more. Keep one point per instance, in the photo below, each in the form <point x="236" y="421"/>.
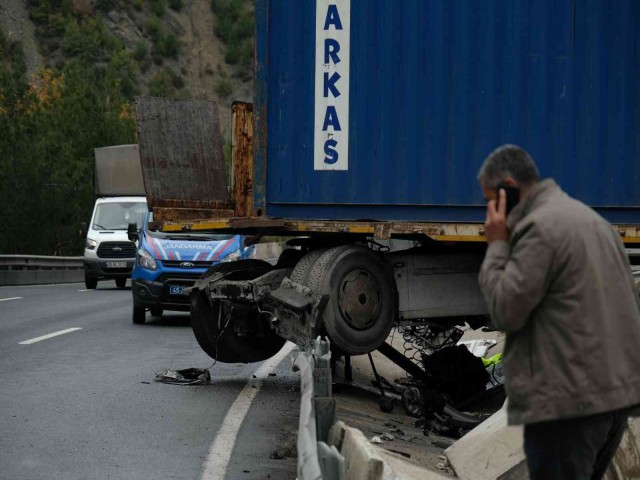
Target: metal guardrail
<point x="39" y="269"/>
<point x="316" y="459"/>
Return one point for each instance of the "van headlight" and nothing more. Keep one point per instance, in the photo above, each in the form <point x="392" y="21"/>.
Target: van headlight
<point x="91" y="244"/>
<point x="145" y="260"/>
<point x="232" y="257"/>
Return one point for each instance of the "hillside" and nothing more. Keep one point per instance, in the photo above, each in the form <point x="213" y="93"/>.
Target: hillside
<point x="69" y="73"/>
<point x="178" y="48"/>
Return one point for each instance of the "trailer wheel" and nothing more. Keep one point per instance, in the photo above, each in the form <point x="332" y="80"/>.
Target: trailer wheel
<point x="362" y="297"/>
<point x="214" y="329"/>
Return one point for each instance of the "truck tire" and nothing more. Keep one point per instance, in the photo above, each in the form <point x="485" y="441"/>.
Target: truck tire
<point x="220" y="342"/>
<point x="301" y="272"/>
<point x="138" y="315"/>
<point x="90" y="283"/>
<point x="363" y="299"/>
<point x="121" y="282"/>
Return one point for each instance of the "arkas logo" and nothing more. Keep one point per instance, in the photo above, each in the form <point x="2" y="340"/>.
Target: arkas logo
<point x="333" y="21"/>
<point x="186" y="265"/>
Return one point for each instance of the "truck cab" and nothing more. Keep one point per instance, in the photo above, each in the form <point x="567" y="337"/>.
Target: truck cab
<point x="168" y="263"/>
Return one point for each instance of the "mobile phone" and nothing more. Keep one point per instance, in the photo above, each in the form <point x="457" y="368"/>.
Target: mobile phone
<point x="513" y="196"/>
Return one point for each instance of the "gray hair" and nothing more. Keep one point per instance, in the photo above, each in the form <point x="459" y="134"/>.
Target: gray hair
<point x="508" y="161"/>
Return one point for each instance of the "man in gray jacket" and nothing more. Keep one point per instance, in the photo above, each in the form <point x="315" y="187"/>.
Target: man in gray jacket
<point x="557" y="280"/>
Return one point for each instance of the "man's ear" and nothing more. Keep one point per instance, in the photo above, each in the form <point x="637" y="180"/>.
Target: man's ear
<point x="509" y="181"/>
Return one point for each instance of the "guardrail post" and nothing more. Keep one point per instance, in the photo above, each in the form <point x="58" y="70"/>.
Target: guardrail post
<point x="316" y="460"/>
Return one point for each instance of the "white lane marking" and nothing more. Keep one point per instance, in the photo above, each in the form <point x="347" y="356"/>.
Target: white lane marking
<point x="85" y="290"/>
<point x="42" y="285"/>
<point x="49" y="335"/>
<point x="215" y="467"/>
<point x="7" y="299"/>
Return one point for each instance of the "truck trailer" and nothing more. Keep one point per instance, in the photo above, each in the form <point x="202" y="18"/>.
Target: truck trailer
<point x="369" y="123"/>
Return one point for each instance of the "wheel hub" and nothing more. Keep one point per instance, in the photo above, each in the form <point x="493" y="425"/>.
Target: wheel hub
<point x="359" y="299"/>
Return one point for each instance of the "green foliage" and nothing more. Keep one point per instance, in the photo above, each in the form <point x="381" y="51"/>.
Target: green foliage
<point x="168" y="46"/>
<point x="153" y="26"/>
<point x="50" y="124"/>
<point x="224" y="87"/>
<point x="234" y="26"/>
<point x="140" y="51"/>
<point x="106" y="5"/>
<point x="176" y="5"/>
<point x="138" y="4"/>
<point x="158" y="7"/>
<point x="161" y="85"/>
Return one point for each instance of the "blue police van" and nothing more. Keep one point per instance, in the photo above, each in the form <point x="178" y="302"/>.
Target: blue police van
<point x="167" y="263"/>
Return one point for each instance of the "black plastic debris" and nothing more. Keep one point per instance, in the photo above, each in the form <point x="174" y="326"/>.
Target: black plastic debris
<point x="188" y="376"/>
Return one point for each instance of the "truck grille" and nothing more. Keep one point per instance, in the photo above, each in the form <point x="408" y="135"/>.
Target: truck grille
<point x="117" y="250"/>
<point x="176" y="263"/>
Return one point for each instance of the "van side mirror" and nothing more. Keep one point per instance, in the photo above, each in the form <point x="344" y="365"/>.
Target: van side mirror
<point x="132" y="232"/>
<point x="83" y="230"/>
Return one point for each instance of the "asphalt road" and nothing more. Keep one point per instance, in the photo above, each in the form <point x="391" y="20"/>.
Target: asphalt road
<point x="83" y="404"/>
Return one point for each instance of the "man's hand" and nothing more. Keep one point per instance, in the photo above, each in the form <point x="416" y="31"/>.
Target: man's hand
<point x="496" y="224"/>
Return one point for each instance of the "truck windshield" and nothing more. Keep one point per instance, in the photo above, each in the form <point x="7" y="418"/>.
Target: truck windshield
<point x="117" y="216"/>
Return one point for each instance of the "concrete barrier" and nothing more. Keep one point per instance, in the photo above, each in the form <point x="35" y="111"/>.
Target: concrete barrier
<point x="494" y="450"/>
<point x="36" y="269"/>
<point x="365" y="461"/>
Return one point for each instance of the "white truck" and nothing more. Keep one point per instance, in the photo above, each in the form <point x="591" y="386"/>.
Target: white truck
<point x="120" y="200"/>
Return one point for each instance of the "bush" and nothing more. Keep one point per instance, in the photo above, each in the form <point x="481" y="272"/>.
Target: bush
<point x="168" y="46"/>
<point x="234" y="26"/>
<point x="224" y="87"/>
<point x="158" y="7"/>
<point x="106" y="5"/>
<point x="176" y="5"/>
<point x="140" y="51"/>
<point x="153" y="26"/>
<point x="138" y="4"/>
<point x="161" y="85"/>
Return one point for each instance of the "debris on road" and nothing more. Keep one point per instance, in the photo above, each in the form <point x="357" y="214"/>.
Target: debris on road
<point x="376" y="440"/>
<point x="188" y="376"/>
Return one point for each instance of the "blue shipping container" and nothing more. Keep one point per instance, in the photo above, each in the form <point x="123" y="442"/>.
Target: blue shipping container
<point x="385" y="109"/>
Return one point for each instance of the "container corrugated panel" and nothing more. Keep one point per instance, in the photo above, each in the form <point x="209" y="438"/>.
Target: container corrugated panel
<point x="434" y="86"/>
<point x="118" y="171"/>
<point x="181" y="152"/>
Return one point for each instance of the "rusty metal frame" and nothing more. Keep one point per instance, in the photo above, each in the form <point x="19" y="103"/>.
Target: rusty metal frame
<point x="446" y="232"/>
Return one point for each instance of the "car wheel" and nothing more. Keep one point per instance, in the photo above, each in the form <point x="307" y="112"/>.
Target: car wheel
<point x="138" y="315"/>
<point x="90" y="283"/>
<point x="156" y="311"/>
<point x="121" y="282"/>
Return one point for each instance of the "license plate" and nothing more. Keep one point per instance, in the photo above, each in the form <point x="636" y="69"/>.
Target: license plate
<point x="116" y="264"/>
<point x="173" y="290"/>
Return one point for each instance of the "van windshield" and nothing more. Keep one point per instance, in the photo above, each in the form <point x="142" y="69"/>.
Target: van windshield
<point x="118" y="215"/>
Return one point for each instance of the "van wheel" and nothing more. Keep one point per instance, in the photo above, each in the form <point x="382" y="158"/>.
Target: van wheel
<point x="138" y="315"/>
<point x="90" y="283"/>
<point x="362" y="297"/>
<point x="156" y="311"/>
<point x="121" y="282"/>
